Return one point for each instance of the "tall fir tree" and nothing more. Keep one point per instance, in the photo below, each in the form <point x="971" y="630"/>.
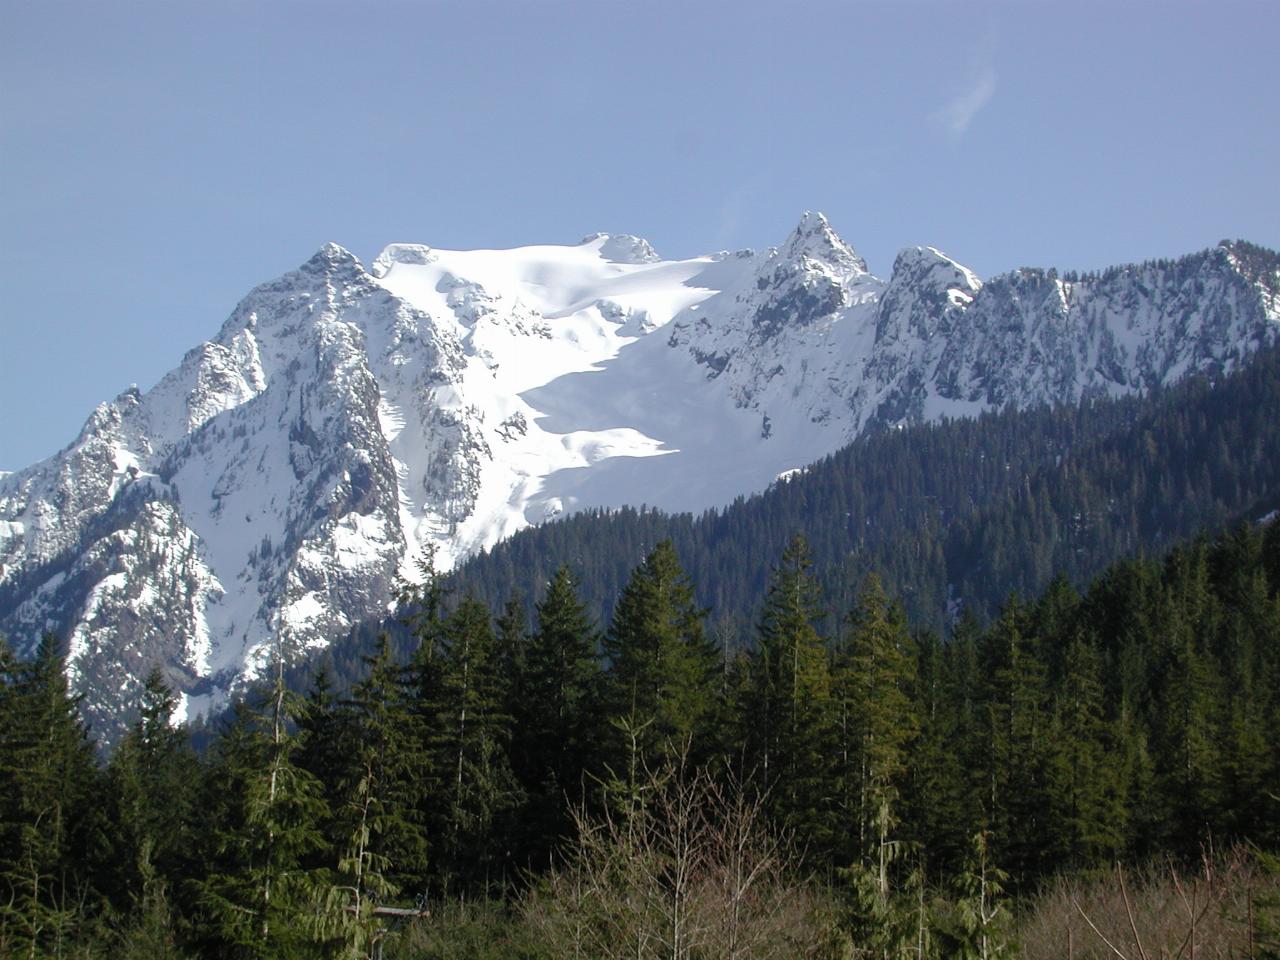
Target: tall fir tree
<point x="660" y="664"/>
<point x="1188" y="742"/>
<point x="876" y="677"/>
<point x="260" y="896"/>
<point x="478" y="793"/>
<point x="423" y="604"/>
<point x="424" y="614"/>
<point x="1087" y="821"/>
<point x="512" y="638"/>
<point x="323" y="748"/>
<point x="789" y="719"/>
<point x="49" y="828"/>
<point x="937" y="801"/>
<point x="557" y="715"/>
<point x="152" y="777"/>
<point x="377" y="821"/>
<point x="1017" y="730"/>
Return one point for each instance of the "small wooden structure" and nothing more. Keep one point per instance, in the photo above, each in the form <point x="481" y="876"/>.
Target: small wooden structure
<point x="400" y="912"/>
<point x="395" y="914"/>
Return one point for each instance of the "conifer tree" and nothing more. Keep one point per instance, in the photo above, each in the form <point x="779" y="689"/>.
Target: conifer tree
<point x="1249" y="650"/>
<point x="377" y="819"/>
<point x="789" y="724"/>
<point x="730" y="720"/>
<point x="260" y="898"/>
<point x="152" y="775"/>
<point x="1136" y="780"/>
<point x="656" y="689"/>
<point x="1017" y="730"/>
<point x="1087" y="824"/>
<point x="556" y="717"/>
<point x="1188" y="742"/>
<point x="976" y="926"/>
<point x="478" y="792"/>
<point x="937" y="800"/>
<point x="48" y="830"/>
<point x="323" y="749"/>
<point x="967" y="687"/>
<point x="876" y="677"/>
<point x="512" y="637"/>
<point x="424" y="606"/>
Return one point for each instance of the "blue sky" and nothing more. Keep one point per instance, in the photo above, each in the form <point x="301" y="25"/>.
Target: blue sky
<point x="158" y="159"/>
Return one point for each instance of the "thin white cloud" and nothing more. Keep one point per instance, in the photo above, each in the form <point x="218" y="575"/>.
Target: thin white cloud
<point x="734" y="208"/>
<point x="960" y="110"/>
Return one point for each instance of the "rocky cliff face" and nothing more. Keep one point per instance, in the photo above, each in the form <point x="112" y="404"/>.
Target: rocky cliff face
<point x="270" y="491"/>
<point x="815" y="334"/>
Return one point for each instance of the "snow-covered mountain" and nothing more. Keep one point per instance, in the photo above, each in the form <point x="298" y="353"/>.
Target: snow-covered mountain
<point x="280" y="479"/>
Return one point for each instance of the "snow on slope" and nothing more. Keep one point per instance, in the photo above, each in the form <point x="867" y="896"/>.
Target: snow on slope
<point x="529" y="318"/>
<point x="279" y="480"/>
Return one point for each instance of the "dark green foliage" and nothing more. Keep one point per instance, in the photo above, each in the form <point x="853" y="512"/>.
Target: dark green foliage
<point x="938" y="801"/>
<point x="423" y="606"/>
<point x="965" y="510"/>
<point x="260" y="898"/>
<point x="1131" y="720"/>
<point x="975" y="924"/>
<point x="790" y="734"/>
<point x="152" y="780"/>
<point x="1087" y="807"/>
<point x="876" y="671"/>
<point x="324" y="739"/>
<point x="556" y="715"/>
<point x="657" y="688"/>
<point x="377" y="821"/>
<point x="50" y="832"/>
<point x="1016" y="731"/>
<point x="476" y="791"/>
<point x="512" y="638"/>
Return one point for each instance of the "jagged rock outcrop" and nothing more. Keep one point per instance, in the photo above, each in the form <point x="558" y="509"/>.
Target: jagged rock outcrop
<point x="271" y="489"/>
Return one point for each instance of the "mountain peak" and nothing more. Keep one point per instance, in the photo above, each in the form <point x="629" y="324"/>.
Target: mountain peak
<point x="814" y="237"/>
<point x="331" y="256"/>
<point x="929" y="266"/>
<point x="287" y="472"/>
<point x="622" y="248"/>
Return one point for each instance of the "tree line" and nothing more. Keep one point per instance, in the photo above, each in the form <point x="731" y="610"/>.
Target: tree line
<point x="1076" y="729"/>
<point x="959" y="512"/>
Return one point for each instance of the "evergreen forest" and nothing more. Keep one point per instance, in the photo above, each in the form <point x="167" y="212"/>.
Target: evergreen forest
<point x="833" y="779"/>
<point x="949" y="515"/>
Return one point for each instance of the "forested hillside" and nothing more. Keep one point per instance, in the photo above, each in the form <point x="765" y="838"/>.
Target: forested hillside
<point x="638" y="787"/>
<point x="893" y="704"/>
<point x="955" y="515"/>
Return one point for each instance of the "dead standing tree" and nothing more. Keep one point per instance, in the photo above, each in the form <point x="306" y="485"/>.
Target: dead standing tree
<point x="692" y="872"/>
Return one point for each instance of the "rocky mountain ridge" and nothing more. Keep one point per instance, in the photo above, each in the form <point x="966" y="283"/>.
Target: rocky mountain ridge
<point x="276" y="484"/>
